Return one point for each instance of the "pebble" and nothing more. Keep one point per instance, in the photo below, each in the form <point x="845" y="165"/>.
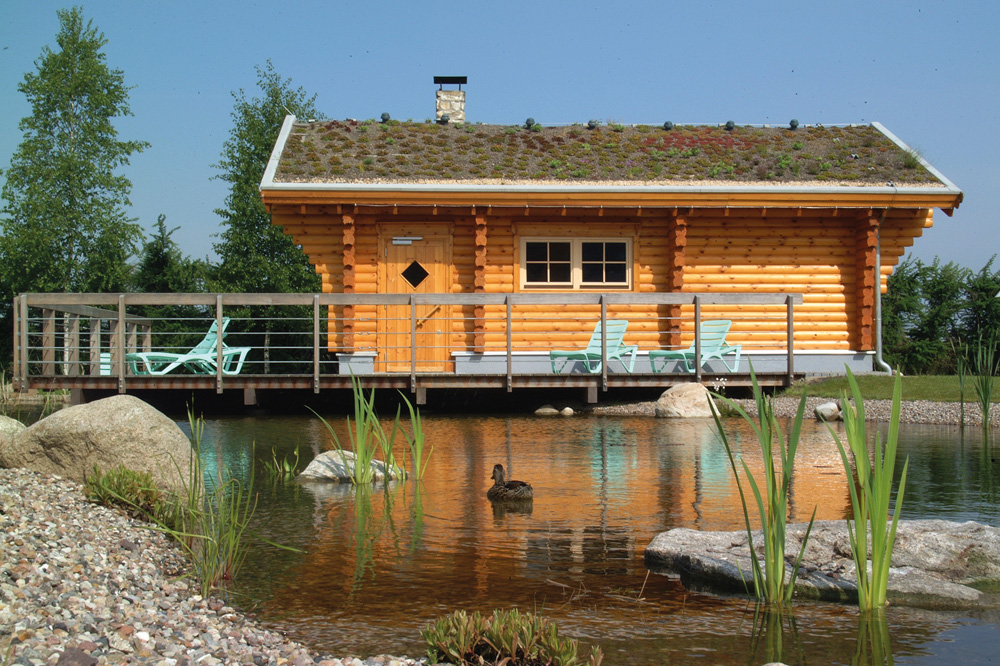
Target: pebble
<point x="82" y="584"/>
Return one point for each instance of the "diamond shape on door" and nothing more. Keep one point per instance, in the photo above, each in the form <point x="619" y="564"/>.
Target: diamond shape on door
<point x="414" y="274"/>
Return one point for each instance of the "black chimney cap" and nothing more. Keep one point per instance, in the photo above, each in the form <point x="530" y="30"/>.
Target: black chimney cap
<point x="441" y="80"/>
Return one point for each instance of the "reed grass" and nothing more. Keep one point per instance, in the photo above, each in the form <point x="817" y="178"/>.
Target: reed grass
<point x="874" y="645"/>
<point x="984" y="363"/>
<point x="772" y="505"/>
<point x="367" y="435"/>
<point x="416" y="441"/>
<point x="211" y="523"/>
<point x="871" y="494"/>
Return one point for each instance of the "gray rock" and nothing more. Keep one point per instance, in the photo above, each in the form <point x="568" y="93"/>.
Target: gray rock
<point x="935" y="563"/>
<point x="9" y="428"/>
<point x="567" y="411"/>
<point x="827" y="411"/>
<point x="339" y="466"/>
<point x="75" y="657"/>
<point x="546" y="410"/>
<point x="120" y="430"/>
<point x="690" y="400"/>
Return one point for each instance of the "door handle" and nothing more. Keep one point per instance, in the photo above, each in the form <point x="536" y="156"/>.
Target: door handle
<point x="430" y="314"/>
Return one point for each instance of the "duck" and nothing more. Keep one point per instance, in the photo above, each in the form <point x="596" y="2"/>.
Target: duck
<point x="503" y="490"/>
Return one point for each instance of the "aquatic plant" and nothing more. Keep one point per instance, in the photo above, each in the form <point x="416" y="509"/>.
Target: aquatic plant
<point x="769" y="578"/>
<point x="874" y="645"/>
<point x="280" y="472"/>
<point x="506" y="637"/>
<point x="416" y="441"/>
<point x="984" y="363"/>
<point x="365" y="434"/>
<point x="870" y="484"/>
<point x="210" y="523"/>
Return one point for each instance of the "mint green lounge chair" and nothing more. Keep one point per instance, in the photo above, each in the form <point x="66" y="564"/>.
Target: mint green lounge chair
<point x="591" y="356"/>
<point x="201" y="360"/>
<point x="713" y="345"/>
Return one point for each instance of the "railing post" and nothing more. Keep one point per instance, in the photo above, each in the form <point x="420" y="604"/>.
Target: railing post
<point x="220" y="333"/>
<point x="118" y="357"/>
<point x="16" y="312"/>
<point x="604" y="344"/>
<point x="48" y="342"/>
<point x="315" y="343"/>
<point x="95" y="347"/>
<point x="790" y="309"/>
<point x="413" y="344"/>
<point x="697" y="339"/>
<point x="510" y="346"/>
<point x="71" y="345"/>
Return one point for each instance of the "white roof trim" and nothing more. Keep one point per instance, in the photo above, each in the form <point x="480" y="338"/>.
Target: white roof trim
<point x="279" y="147"/>
<point x="927" y="165"/>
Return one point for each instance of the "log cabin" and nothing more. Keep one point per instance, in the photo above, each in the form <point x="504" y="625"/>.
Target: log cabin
<point x="447" y="206"/>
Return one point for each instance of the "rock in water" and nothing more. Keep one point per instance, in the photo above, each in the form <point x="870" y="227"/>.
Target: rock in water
<point x="339" y="466"/>
<point x="935" y="564"/>
<point x="691" y="400"/>
<point x="120" y="430"/>
<point x="827" y="411"/>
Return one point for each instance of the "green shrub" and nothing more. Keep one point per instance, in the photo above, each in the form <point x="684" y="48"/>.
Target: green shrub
<point x="122" y="487"/>
<point x="506" y="637"/>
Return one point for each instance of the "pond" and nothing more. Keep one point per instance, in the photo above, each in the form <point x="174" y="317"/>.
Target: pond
<point x="376" y="565"/>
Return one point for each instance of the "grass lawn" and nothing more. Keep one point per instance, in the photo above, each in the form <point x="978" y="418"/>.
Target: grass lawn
<point x="939" y="388"/>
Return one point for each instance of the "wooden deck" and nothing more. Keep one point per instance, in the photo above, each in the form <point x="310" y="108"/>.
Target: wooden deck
<point x="317" y="342"/>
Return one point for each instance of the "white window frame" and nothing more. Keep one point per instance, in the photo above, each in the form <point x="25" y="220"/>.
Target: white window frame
<point x="576" y="264"/>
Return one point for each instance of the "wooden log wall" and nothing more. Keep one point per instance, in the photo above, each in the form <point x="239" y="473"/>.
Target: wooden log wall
<point x="826" y="254"/>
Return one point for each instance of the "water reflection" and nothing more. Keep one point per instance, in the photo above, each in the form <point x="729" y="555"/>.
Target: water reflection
<point x="378" y="564"/>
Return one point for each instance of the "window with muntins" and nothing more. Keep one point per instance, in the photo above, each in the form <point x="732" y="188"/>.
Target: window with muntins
<point x="585" y="263"/>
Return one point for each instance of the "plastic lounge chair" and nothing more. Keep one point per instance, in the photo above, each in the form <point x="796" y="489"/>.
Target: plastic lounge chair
<point x="202" y="359"/>
<point x="591" y="356"/>
<point x="713" y="345"/>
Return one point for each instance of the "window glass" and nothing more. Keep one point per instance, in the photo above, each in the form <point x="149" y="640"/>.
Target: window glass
<point x="593" y="251"/>
<point x="560" y="251"/>
<point x="561" y="272"/>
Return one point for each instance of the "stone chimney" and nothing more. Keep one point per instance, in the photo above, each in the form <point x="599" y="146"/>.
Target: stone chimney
<point x="450" y="103"/>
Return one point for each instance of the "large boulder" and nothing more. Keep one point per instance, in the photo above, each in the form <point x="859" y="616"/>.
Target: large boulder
<point x="690" y="400"/>
<point x="338" y="466"/>
<point x="935" y="564"/>
<point x="121" y="430"/>
<point x="9" y="428"/>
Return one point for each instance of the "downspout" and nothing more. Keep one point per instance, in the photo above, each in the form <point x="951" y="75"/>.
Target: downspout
<point x="879" y="361"/>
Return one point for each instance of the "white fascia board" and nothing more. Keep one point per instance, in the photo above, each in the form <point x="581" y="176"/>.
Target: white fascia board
<point x="267" y="182"/>
<point x="600" y="189"/>
<point x="927" y="165"/>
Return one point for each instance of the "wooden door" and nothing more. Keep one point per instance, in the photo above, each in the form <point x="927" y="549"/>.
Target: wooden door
<point x="414" y="262"/>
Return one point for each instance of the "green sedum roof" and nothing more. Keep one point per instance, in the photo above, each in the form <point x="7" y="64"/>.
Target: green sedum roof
<point x="349" y="151"/>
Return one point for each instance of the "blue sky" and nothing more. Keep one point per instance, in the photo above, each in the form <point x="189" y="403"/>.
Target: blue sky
<point x="928" y="70"/>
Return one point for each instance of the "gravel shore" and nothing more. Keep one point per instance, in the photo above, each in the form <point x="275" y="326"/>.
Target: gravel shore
<point x="81" y="584"/>
<point x="917" y="411"/>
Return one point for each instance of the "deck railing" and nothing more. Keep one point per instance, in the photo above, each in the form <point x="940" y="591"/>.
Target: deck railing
<point x="86" y="339"/>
